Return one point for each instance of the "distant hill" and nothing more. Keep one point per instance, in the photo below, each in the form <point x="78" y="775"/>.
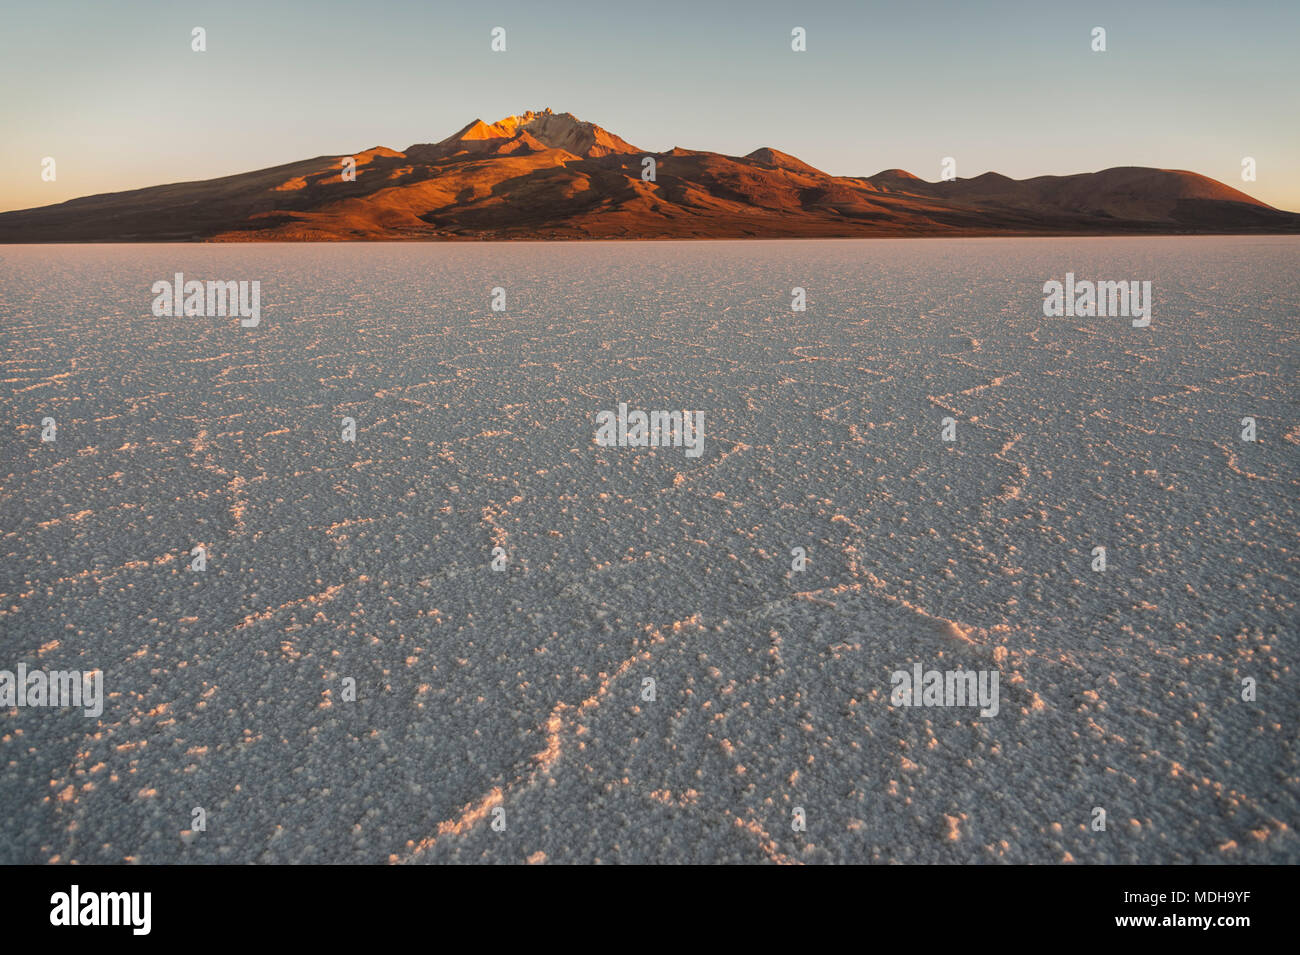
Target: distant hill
<point x="552" y="176"/>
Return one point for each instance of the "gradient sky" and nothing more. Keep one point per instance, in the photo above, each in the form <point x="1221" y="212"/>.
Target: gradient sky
<point x="113" y="92"/>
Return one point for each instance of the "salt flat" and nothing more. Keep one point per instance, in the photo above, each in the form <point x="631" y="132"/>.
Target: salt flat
<point x="523" y="690"/>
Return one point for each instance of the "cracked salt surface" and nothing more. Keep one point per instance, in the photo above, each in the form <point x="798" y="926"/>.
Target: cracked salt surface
<point x="521" y="691"/>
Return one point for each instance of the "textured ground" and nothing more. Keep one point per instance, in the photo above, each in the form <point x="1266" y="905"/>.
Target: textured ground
<point x="521" y="690"/>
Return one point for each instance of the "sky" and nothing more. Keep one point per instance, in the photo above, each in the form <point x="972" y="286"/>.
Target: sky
<point x="115" y="94"/>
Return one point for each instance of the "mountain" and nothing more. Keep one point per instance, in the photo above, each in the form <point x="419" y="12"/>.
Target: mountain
<point x="551" y="175"/>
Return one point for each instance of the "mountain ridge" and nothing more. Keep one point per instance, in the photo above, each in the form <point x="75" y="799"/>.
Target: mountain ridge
<point x="552" y="175"/>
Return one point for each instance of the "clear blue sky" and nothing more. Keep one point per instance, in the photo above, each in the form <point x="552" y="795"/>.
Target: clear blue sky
<point x="113" y="92"/>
